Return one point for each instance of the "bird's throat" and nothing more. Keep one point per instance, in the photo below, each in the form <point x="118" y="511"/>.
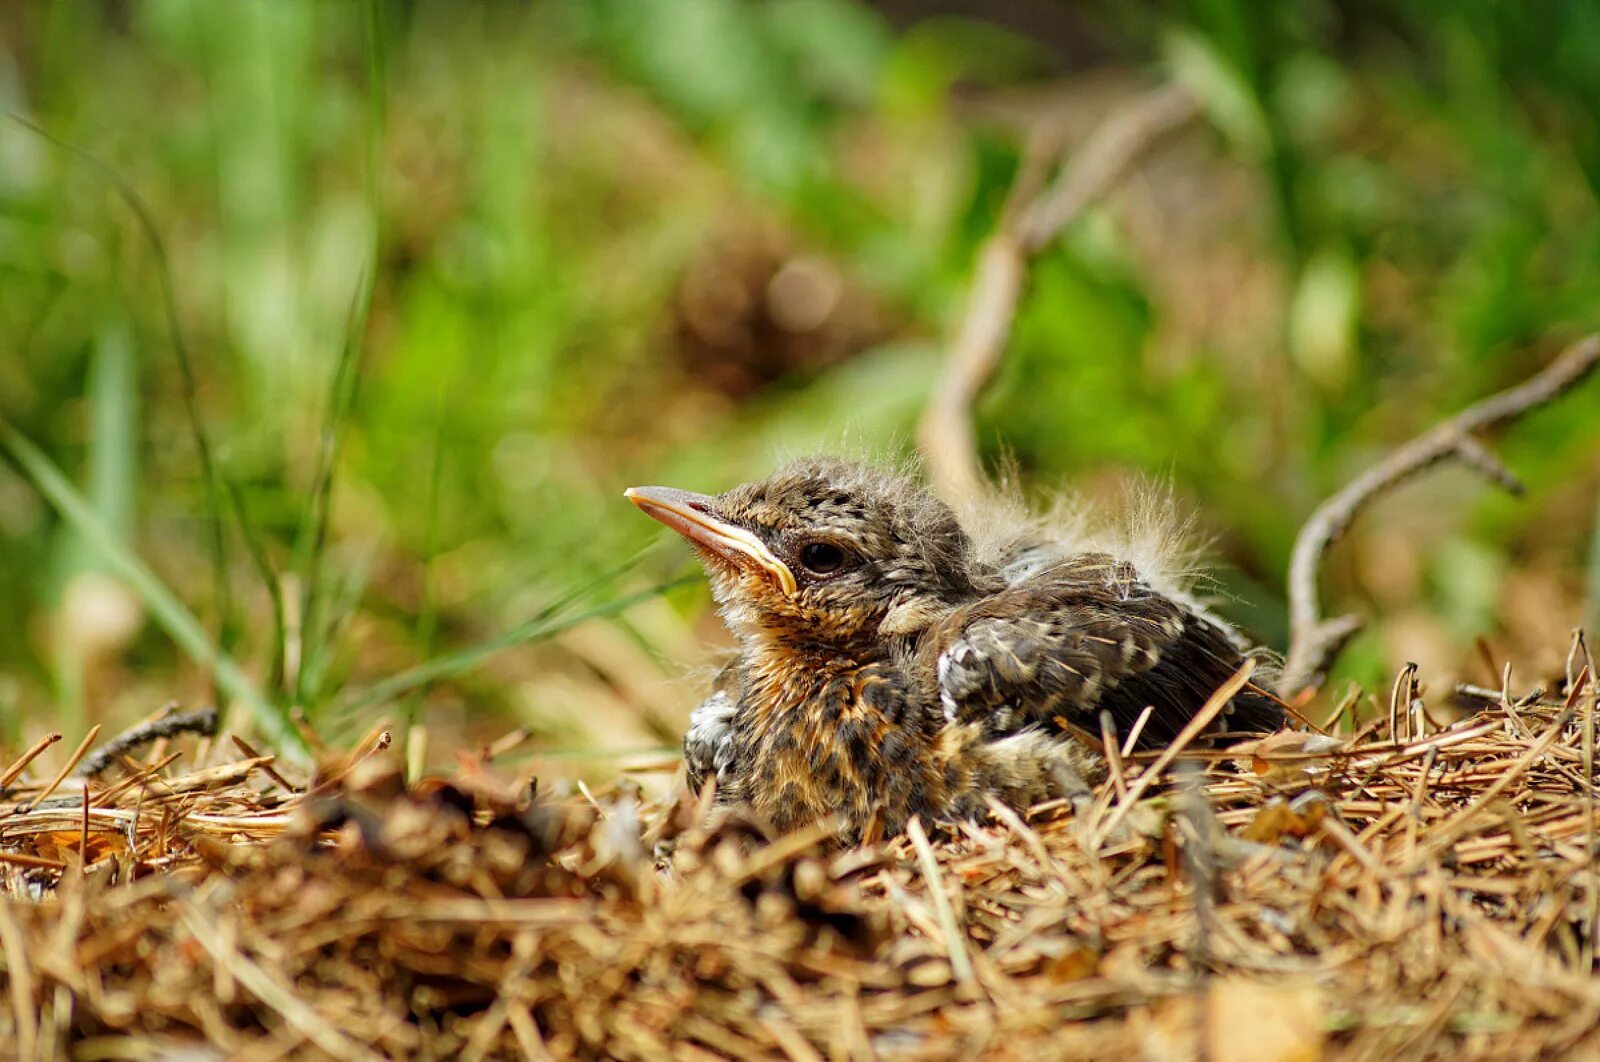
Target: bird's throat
<point x="823" y="735"/>
<point x="784" y="677"/>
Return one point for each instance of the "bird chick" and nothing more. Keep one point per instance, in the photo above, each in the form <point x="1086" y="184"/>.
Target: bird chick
<point x="888" y="667"/>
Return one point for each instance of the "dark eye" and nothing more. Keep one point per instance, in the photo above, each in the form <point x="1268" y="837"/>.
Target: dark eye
<point x="823" y="558"/>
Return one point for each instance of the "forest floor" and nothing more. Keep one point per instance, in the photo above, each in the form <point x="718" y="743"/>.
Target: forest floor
<point x="1411" y="889"/>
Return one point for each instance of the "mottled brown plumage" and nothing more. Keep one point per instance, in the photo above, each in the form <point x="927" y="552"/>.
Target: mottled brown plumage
<point x="890" y="667"/>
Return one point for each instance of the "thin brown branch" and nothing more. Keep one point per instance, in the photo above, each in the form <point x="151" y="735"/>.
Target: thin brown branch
<point x="1111" y="151"/>
<point x="1029" y="223"/>
<point x="1446" y="834"/>
<point x="12" y="773"/>
<point x="955" y="941"/>
<point x="272" y="991"/>
<point x="266" y="768"/>
<point x="1191" y="730"/>
<point x="1316" y="642"/>
<point x="200" y="721"/>
<point x="66" y="768"/>
<point x="19" y="974"/>
<point x="945" y="435"/>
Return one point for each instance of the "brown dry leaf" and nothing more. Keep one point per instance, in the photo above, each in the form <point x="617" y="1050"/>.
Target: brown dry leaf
<point x="1269" y="1023"/>
<point x="1289" y="754"/>
<point x="1280" y="818"/>
<point x="1243" y="1020"/>
<point x="100" y="843"/>
<point x="61" y="845"/>
<point x="1074" y="964"/>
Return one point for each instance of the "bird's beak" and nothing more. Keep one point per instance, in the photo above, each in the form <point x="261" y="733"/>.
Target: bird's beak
<point x="693" y="516"/>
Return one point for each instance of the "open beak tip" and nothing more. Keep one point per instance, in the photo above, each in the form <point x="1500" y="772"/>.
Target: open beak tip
<point x="688" y="514"/>
<point x="648" y="497"/>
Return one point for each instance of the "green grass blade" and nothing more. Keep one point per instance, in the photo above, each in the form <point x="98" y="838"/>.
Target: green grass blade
<point x="541" y="626"/>
<point x="580" y="590"/>
<point x="221" y="590"/>
<point x="312" y="538"/>
<point x="179" y="623"/>
<point x="428" y="610"/>
<point x="377" y="108"/>
<point x="336" y="618"/>
<point x="264" y="570"/>
<point x="113" y="392"/>
<point x="417" y="680"/>
<point x="312" y="541"/>
<point x="111" y="489"/>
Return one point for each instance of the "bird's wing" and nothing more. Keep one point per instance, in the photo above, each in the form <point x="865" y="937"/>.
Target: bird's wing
<point x="1081" y="636"/>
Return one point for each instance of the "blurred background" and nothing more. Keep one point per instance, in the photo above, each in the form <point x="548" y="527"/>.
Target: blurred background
<point x="350" y="322"/>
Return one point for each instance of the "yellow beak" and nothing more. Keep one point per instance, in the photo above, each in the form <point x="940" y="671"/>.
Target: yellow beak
<point x="693" y="516"/>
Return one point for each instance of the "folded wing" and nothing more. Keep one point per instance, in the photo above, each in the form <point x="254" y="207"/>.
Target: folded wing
<point x="1082" y="636"/>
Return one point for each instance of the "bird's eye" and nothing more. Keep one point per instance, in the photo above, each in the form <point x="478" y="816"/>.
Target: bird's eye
<point x="823" y="558"/>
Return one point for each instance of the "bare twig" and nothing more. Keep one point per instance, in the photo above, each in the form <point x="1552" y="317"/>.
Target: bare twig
<point x="139" y="774"/>
<point x="272" y="991"/>
<point x="1029" y="223"/>
<point x="955" y="942"/>
<point x="1314" y="641"/>
<point x="1114" y="147"/>
<point x="200" y="721"/>
<point x="266" y="768"/>
<point x="1450" y="831"/>
<point x="1131" y="742"/>
<point x="1108" y="737"/>
<point x="12" y="773"/>
<point x="13" y="949"/>
<point x="66" y="768"/>
<point x="1191" y="730"/>
<point x="1197" y="824"/>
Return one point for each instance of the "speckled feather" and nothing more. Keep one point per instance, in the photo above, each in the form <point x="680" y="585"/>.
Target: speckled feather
<point x="934" y="671"/>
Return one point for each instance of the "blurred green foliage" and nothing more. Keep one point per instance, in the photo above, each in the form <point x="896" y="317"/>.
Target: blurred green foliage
<point x="486" y="265"/>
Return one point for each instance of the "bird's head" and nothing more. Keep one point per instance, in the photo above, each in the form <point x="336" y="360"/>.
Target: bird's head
<point x="824" y="553"/>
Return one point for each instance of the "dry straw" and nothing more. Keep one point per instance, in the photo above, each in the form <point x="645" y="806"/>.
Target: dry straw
<point x="1426" y="893"/>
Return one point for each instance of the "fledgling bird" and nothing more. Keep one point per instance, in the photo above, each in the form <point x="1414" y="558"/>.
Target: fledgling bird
<point x="893" y="664"/>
